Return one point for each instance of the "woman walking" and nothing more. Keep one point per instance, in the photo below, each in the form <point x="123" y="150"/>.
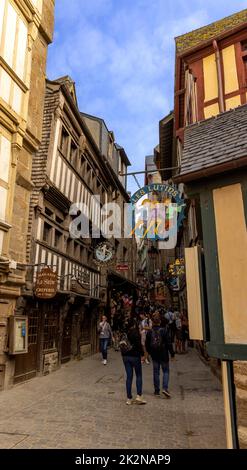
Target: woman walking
<point x="133" y="356"/>
<point x="105" y="334"/>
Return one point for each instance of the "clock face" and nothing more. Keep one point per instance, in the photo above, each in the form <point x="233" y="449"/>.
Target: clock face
<point x="104" y="252"/>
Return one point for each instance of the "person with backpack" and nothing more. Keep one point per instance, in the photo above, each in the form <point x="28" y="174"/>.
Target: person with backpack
<point x="158" y="345"/>
<point x="133" y="355"/>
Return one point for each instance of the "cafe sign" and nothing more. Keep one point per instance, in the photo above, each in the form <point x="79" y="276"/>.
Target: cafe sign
<point x="46" y="284"/>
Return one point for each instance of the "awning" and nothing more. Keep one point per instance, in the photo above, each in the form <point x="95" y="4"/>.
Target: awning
<point x="122" y="280"/>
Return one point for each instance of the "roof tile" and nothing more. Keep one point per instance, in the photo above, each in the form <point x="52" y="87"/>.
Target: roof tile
<point x="201" y="35"/>
<point x="216" y="140"/>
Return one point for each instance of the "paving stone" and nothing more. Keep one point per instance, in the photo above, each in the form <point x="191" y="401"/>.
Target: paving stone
<point x="82" y="405"/>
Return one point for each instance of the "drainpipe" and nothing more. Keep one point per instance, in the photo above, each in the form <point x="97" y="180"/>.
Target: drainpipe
<point x="220" y="78"/>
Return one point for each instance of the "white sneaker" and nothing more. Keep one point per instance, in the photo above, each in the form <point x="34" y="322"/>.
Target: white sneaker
<point x="166" y="393"/>
<point x="105" y="362"/>
<point x="140" y="401"/>
<point x="129" y="402"/>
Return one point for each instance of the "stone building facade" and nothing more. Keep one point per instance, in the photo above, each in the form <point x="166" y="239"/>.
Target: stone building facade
<point x="26" y="29"/>
<point x="70" y="167"/>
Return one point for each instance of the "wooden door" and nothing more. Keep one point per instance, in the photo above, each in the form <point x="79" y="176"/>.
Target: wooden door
<point x="26" y="365"/>
<point x="66" y="341"/>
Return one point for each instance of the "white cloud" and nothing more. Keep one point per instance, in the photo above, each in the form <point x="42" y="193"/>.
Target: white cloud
<point x="121" y="55"/>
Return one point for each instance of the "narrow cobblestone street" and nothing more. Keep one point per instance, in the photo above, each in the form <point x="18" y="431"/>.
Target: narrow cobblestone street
<point x="83" y="406"/>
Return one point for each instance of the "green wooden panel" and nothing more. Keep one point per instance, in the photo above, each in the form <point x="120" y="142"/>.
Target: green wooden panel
<point x="233" y="352"/>
<point x="212" y="267"/>
<point x="216" y="346"/>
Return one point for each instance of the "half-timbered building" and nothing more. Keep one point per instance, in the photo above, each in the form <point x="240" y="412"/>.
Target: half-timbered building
<point x="70" y="167"/>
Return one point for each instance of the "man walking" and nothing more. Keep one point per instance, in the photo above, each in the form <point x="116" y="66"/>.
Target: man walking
<point x="158" y="345"/>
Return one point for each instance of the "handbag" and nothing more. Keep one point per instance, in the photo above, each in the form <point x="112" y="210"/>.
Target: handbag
<point x="124" y="344"/>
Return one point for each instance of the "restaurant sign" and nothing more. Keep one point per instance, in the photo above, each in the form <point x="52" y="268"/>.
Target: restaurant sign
<point x="46" y="284"/>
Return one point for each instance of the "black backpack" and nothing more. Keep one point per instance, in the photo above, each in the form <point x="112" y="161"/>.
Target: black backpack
<point x="156" y="340"/>
<point x="124" y="344"/>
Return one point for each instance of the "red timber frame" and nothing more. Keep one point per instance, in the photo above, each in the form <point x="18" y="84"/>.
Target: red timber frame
<point x="193" y="59"/>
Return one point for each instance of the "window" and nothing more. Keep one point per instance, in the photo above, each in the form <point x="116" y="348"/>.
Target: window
<point x="58" y="239"/>
<point x="244" y="46"/>
<point x="33" y="323"/>
<point x="59" y="220"/>
<point x="16" y="32"/>
<point x="82" y="163"/>
<point x="191" y="113"/>
<point x="48" y="212"/>
<point x="70" y="246"/>
<point x="50" y="330"/>
<point x="117" y="244"/>
<point x="82" y="254"/>
<point x="244" y="56"/>
<point x="47" y="233"/>
<point x="89" y="257"/>
<point x="64" y="142"/>
<point x="77" y="251"/>
<point x="73" y="154"/>
<point x="110" y="149"/>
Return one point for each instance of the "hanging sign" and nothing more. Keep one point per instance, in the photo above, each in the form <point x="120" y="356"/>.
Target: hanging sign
<point x="46" y="284"/>
<point x="122" y="267"/>
<point x="104" y="254"/>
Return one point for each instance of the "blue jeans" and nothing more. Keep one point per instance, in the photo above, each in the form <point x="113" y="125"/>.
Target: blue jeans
<point x="156" y="375"/>
<point x="103" y="345"/>
<point x="133" y="363"/>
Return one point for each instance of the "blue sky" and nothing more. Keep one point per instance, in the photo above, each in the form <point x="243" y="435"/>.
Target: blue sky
<point x="120" y="53"/>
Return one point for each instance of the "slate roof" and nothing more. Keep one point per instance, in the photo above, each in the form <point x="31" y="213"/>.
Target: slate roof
<point x="204" y="34"/>
<point x="215" y="141"/>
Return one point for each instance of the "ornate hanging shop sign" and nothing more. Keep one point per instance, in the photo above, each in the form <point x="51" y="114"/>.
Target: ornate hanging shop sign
<point x="104" y="254"/>
<point x="160" y="215"/>
<point x="167" y="189"/>
<point x="177" y="268"/>
<point x="46" y="284"/>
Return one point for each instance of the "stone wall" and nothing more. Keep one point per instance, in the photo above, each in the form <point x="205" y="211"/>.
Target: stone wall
<point x="240" y="377"/>
<point x="85" y="350"/>
<point x="25" y="142"/>
<point x="50" y="363"/>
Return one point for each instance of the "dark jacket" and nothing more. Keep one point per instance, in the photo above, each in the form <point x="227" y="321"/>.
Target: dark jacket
<point x="166" y="347"/>
<point x="134" y="338"/>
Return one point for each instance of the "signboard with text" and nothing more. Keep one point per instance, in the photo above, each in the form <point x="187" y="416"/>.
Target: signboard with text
<point x="46" y="284"/>
<point x="122" y="267"/>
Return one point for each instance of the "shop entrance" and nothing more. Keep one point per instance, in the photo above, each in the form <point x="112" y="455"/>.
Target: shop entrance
<point x="26" y="365"/>
<point x="67" y="337"/>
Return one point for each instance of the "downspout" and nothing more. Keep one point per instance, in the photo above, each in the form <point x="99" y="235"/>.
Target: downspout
<point x="219" y="75"/>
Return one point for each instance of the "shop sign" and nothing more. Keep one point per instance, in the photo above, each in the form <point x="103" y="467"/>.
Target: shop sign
<point x="177" y="268"/>
<point x="160" y="291"/>
<point x="122" y="267"/>
<point x="79" y="288"/>
<point x="104" y="254"/>
<point x="46" y="284"/>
